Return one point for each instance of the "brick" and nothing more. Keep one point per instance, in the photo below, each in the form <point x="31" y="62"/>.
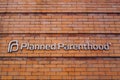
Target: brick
<point x="56" y="69"/>
<point x="6" y="77"/>
<point x="18" y="77"/>
<point x="55" y="77"/>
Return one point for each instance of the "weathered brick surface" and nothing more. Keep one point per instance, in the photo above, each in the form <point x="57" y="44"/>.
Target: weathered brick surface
<point x="60" y="21"/>
<point x="59" y="6"/>
<point x="60" y="68"/>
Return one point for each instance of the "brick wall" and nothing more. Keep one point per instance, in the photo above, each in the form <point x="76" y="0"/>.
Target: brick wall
<point x="60" y="21"/>
<point x="60" y="68"/>
<point x="60" y="6"/>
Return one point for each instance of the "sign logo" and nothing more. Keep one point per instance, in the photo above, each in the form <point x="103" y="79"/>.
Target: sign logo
<point x="14" y="45"/>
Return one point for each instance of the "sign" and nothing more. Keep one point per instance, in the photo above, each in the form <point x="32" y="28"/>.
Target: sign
<point x="14" y="46"/>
